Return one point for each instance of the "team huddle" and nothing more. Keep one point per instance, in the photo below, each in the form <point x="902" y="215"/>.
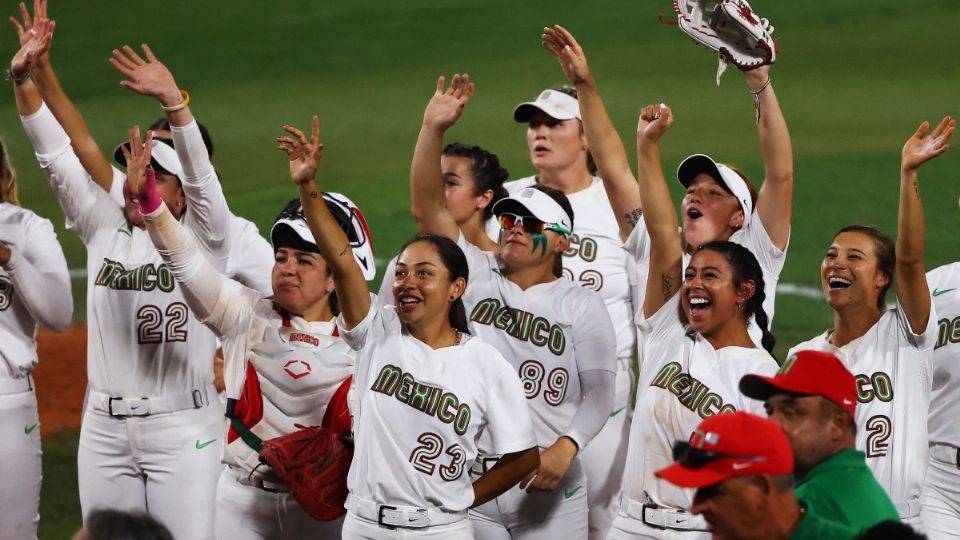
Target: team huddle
<point x="557" y="356"/>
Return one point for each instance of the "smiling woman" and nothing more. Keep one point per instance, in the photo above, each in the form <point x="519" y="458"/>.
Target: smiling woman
<point x="894" y="345"/>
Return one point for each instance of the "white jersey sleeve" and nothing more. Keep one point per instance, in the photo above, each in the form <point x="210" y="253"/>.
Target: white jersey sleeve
<point x="944" y="283"/>
<point x="87" y="208"/>
<point x="207" y="213"/>
<point x="508" y="425"/>
<point x="251" y="257"/>
<point x="34" y="288"/>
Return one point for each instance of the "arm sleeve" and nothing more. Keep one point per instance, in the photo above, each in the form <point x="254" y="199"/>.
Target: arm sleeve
<point x="39" y="271"/>
<point x="82" y="201"/>
<point x="207" y="206"/>
<point x="508" y="425"/>
<point x="598" y="387"/>
<point x="219" y="302"/>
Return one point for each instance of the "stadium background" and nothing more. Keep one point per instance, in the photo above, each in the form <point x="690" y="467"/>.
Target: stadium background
<point x="854" y="79"/>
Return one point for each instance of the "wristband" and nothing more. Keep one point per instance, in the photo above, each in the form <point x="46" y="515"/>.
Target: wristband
<point x="149" y="199"/>
<point x="184" y="101"/>
<point x="756" y="97"/>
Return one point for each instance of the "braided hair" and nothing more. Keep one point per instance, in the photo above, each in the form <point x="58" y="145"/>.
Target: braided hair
<point x="746" y="268"/>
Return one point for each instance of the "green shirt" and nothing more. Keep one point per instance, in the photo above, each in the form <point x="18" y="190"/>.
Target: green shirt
<point x="841" y="488"/>
<point x="815" y="527"/>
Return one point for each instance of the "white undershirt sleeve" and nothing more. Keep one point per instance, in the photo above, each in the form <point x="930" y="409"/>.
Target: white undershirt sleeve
<point x="38" y="270"/>
<point x="598" y="387"/>
<point x="217" y="301"/>
<point x="206" y="205"/>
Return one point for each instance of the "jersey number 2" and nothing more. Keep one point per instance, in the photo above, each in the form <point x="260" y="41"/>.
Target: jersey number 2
<point x="150" y="319"/>
<point x="879" y="428"/>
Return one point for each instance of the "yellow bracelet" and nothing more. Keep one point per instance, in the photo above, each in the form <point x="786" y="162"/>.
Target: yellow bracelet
<point x="184" y="101"/>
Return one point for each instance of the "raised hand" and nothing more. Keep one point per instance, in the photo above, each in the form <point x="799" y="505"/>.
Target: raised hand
<point x="148" y="77"/>
<point x="446" y="105"/>
<point x="137" y="155"/>
<point x="921" y="147"/>
<point x="654" y="121"/>
<point x="304" y="155"/>
<point x="39" y="14"/>
<point x="40" y="36"/>
<point x="561" y="43"/>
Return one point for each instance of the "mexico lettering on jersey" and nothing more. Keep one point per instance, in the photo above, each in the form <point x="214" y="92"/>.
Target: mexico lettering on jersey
<point x="595" y="259"/>
<point x="682" y="381"/>
<point x="549" y="333"/>
<point x="293" y="367"/>
<point x="944" y="283"/>
<point x="892" y="368"/>
<point x="421" y="411"/>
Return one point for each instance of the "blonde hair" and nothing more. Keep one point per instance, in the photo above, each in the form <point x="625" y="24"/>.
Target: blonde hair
<point x="8" y="178"/>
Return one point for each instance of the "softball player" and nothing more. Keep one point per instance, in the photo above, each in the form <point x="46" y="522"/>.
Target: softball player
<point x="889" y="350"/>
<point x="34" y="289"/>
<point x="691" y="363"/>
<point x="567" y="130"/>
<point x="940" y="501"/>
<point x="283" y="356"/>
<point x="557" y="335"/>
<point x="426" y="388"/>
<point x="148" y="439"/>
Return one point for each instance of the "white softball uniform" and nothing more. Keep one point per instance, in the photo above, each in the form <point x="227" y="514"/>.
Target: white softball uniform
<point x="683" y="380"/>
<point x="752" y="236"/>
<point x="560" y="342"/>
<point x="596" y="260"/>
<point x="418" y="419"/>
<point x="892" y="366"/>
<point x="940" y="502"/>
<point x="34" y="289"/>
<point x="281" y="370"/>
<point x="148" y="439"/>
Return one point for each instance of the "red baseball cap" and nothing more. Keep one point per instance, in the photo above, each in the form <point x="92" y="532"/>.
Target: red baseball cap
<point x="813" y="373"/>
<point x="729" y="445"/>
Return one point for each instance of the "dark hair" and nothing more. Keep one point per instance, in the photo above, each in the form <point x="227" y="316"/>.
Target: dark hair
<point x="572" y="92"/>
<point x="108" y="524"/>
<point x="891" y="529"/>
<point x="886" y="253"/>
<point x="564" y="203"/>
<point x="829" y="408"/>
<point x="456" y="263"/>
<point x="746" y="268"/>
<point x="164" y="124"/>
<point x="486" y="170"/>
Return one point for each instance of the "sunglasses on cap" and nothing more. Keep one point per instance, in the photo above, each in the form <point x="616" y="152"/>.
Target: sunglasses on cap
<point x="697" y="458"/>
<point x="341" y="212"/>
<point x="529" y="224"/>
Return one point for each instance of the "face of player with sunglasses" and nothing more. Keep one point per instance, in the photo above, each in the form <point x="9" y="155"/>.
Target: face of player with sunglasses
<point x="527" y="242"/>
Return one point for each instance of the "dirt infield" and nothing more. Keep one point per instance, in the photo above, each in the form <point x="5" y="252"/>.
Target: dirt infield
<point x="61" y="378"/>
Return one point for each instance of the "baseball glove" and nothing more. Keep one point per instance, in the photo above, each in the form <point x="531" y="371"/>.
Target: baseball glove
<point x="314" y="463"/>
<point x="731" y="28"/>
<point x="315" y="460"/>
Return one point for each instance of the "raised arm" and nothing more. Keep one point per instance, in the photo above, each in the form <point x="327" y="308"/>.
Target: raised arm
<point x="604" y="141"/>
<point x="209" y="214"/>
<point x="84" y="146"/>
<point x="775" y="199"/>
<point x="352" y="291"/>
<point x="427" y="200"/>
<point x="911" y="279"/>
<point x="664" y="270"/>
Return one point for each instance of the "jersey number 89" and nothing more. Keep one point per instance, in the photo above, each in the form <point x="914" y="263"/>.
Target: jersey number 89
<point x="534" y="378"/>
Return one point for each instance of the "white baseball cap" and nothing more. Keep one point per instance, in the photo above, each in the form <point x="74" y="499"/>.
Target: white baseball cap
<point x="533" y="202"/>
<point x="348" y="216"/>
<point x="162" y="156"/>
<point x="553" y="102"/>
<point x="729" y="179"/>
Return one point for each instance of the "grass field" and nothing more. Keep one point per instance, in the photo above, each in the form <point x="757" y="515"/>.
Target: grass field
<point x="854" y="79"/>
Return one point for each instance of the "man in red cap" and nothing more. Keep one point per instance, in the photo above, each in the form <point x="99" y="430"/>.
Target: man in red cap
<point x="814" y="399"/>
<point x="742" y="467"/>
